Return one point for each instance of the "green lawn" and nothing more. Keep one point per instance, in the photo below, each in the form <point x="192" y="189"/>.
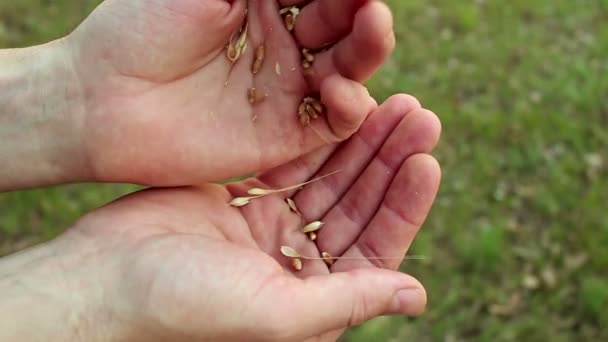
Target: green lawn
<point x="517" y="244"/>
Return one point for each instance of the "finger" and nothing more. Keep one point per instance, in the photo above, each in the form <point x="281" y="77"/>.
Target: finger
<point x="402" y="213"/>
<point x="329" y="302"/>
<point x="347" y="104"/>
<point x="389" y="122"/>
<point x="360" y="54"/>
<point x="417" y="133"/>
<point x="322" y="22"/>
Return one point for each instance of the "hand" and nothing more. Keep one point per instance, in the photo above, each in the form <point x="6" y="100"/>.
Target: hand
<point x="181" y="263"/>
<point x="164" y="105"/>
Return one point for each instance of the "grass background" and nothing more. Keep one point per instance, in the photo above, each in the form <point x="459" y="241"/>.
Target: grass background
<point x="517" y="243"/>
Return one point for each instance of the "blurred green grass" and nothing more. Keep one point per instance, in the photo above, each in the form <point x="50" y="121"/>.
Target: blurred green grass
<point x="516" y="243"/>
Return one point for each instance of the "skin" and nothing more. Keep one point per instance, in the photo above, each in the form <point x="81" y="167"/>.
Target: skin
<point x="181" y="264"/>
<point x="109" y="103"/>
<point x="128" y="111"/>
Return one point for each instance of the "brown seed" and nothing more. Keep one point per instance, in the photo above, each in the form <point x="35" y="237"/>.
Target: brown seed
<point x="312" y="236"/>
<point x="297" y="264"/>
<point x="258" y="60"/>
<point x="309" y="57"/>
<point x="309" y="109"/>
<point x="290" y="22"/>
<point x="311" y="112"/>
<point x="251" y="95"/>
<point x="255" y="96"/>
<point x="238" y="43"/>
<point x="231" y="53"/>
<point x="329" y="260"/>
<point x="317" y="105"/>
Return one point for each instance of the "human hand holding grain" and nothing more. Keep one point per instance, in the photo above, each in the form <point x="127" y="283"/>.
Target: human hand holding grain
<point x="182" y="264"/>
<point x="146" y="91"/>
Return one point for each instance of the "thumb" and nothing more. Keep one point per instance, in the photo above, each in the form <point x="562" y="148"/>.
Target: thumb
<point x="341" y="300"/>
<point x="348" y="104"/>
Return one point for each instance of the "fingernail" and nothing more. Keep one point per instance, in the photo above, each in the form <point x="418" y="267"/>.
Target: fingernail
<point x="409" y="302"/>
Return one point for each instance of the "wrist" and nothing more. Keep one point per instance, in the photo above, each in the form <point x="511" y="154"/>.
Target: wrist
<point x="41" y="118"/>
<point x="34" y="302"/>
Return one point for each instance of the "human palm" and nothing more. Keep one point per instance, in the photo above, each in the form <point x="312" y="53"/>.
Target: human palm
<point x="166" y="107"/>
<point x="191" y="266"/>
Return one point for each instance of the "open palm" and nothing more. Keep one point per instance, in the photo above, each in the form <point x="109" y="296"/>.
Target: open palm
<point x="166" y="107"/>
<point x="185" y="264"/>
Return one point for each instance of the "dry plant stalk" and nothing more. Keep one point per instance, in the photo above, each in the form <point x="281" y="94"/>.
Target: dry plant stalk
<point x="238" y="43"/>
<point x="258" y="59"/>
<point x="258" y="192"/>
<point x="329" y="260"/>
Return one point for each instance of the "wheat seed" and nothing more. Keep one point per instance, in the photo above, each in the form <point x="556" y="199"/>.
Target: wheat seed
<point x="292" y="206"/>
<point x="309" y="57"/>
<point x="259" y="192"/>
<point x="236" y="47"/>
<point x="289" y="252"/>
<point x="289" y="17"/>
<point x="309" y="109"/>
<point x="312" y="227"/>
<point x="254" y="96"/>
<point x="291" y="9"/>
<point x="292" y="253"/>
<point x="243" y="201"/>
<point x="258" y="59"/>
<point x="289" y="21"/>
<point x="297" y="264"/>
<point x="277" y="69"/>
<point x="251" y="95"/>
<point x="327" y="258"/>
<point x="240" y="201"/>
<point x="312" y="236"/>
